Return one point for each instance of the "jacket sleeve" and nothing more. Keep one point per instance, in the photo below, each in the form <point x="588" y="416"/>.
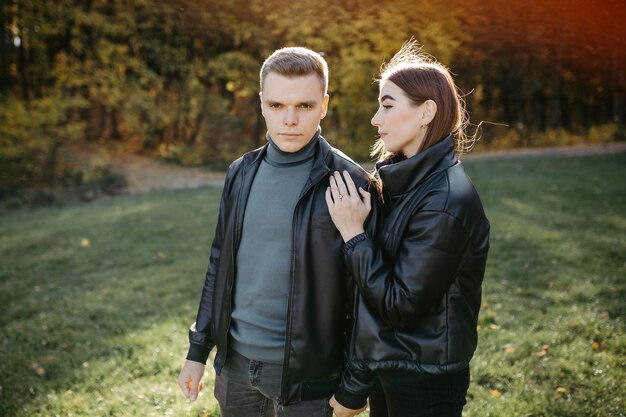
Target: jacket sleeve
<point x="426" y="263"/>
<point x="200" y="338"/>
<point x="355" y="387"/>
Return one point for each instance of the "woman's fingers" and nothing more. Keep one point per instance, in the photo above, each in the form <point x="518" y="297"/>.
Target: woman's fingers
<point x="367" y="199"/>
<point x="350" y="184"/>
<point x="341" y="185"/>
<point x="345" y="206"/>
<point x="334" y="189"/>
<point x="329" y="200"/>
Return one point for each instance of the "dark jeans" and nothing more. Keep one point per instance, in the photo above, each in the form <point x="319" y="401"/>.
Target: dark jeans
<point x="249" y="388"/>
<point x="408" y="394"/>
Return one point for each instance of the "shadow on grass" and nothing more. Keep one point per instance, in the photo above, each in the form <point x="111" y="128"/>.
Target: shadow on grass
<point x="558" y="226"/>
<point x="551" y="338"/>
<point x="100" y="289"/>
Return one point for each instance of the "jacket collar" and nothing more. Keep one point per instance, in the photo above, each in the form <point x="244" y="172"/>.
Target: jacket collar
<point x="401" y="177"/>
<point x="320" y="167"/>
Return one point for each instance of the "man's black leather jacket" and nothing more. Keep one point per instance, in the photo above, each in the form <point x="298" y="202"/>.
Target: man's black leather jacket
<point x="419" y="279"/>
<point x="317" y="318"/>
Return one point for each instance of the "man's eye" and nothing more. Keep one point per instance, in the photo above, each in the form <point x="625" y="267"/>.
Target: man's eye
<point x="305" y="106"/>
<point x="275" y="106"/>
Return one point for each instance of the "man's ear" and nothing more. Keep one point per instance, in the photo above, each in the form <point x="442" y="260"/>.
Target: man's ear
<point x="324" y="106"/>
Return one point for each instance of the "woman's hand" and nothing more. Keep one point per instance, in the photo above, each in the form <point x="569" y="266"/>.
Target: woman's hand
<point x="347" y="207"/>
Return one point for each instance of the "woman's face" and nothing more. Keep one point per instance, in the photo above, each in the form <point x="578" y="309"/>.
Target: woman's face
<point x="400" y="123"/>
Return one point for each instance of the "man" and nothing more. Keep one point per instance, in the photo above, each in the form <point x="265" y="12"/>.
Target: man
<point x="275" y="301"/>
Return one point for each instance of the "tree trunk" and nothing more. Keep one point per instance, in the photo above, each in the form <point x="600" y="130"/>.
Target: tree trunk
<point x="22" y="66"/>
<point x="115" y="132"/>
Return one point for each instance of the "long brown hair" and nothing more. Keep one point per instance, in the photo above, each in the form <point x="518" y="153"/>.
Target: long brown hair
<point x="422" y="78"/>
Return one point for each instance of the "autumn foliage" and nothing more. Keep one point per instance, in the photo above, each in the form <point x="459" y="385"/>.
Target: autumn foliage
<point x="179" y="78"/>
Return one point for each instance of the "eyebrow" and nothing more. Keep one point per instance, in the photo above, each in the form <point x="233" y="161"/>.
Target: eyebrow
<point x="311" y="103"/>
<point x="386" y="97"/>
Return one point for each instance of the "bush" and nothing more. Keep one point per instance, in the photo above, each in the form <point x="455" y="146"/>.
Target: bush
<point x="38" y="167"/>
<point x="504" y="137"/>
<point x="94" y="179"/>
<point x="32" y="136"/>
<point x="607" y="132"/>
<point x="184" y="155"/>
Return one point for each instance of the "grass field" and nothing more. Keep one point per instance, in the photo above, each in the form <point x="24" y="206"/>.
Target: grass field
<point x="96" y="299"/>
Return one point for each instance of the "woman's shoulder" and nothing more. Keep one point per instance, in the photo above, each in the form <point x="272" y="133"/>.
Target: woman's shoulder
<point x="449" y="191"/>
<point x="463" y="201"/>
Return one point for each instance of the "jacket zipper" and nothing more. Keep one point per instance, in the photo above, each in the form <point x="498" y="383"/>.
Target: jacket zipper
<point x="283" y="394"/>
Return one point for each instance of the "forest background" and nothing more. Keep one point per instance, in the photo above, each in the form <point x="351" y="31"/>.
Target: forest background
<point x="178" y="79"/>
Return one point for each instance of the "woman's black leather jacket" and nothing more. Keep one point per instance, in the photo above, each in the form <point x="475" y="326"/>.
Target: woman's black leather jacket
<point x="419" y="279"/>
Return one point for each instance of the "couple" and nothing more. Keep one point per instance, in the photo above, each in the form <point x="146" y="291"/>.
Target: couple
<point x="326" y="286"/>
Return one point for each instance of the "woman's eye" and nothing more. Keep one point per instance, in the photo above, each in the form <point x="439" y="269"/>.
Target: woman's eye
<point x="386" y="107"/>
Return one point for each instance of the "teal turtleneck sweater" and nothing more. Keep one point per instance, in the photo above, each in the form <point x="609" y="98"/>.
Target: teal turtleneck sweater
<point x="264" y="257"/>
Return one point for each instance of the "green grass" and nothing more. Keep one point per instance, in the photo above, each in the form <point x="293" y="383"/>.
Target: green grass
<point x="96" y="299"/>
<point x="552" y="340"/>
<point x="100" y="329"/>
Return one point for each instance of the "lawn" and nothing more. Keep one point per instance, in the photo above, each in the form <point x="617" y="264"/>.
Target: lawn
<point x="96" y="299"/>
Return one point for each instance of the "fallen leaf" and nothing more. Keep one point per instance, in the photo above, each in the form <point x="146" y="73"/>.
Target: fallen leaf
<point x="509" y="349"/>
<point x="493" y="326"/>
<point x="85" y="243"/>
<point x="543" y="351"/>
<point x="596" y="345"/>
<point x="562" y="390"/>
<point x="38" y="368"/>
<point x="495" y="393"/>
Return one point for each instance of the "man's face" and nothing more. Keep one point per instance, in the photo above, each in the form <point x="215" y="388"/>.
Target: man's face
<point x="292" y="108"/>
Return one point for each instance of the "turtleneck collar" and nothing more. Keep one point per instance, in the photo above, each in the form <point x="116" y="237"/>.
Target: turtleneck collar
<point x="276" y="157"/>
<point x="401" y="177"/>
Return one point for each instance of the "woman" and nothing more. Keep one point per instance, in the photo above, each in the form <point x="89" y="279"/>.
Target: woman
<point x="419" y="280"/>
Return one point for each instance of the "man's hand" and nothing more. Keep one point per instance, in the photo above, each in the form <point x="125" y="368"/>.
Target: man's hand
<point x="341" y="411"/>
<point x="190" y="379"/>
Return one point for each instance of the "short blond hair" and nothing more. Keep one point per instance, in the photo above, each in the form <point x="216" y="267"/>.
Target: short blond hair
<point x="296" y="62"/>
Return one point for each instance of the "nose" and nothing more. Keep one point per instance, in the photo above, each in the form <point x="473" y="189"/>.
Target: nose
<point x="376" y="119"/>
<point x="290" y="117"/>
